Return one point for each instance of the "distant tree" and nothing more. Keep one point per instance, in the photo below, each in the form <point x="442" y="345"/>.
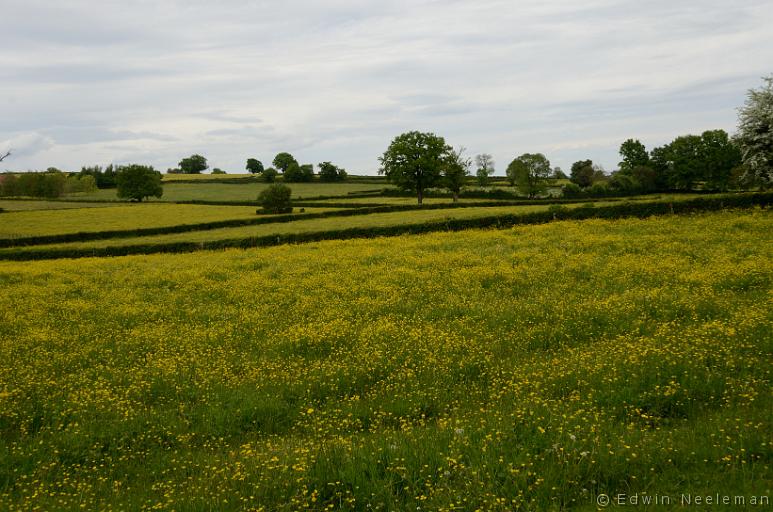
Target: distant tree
<point x="485" y="168"/>
<point x="530" y="173"/>
<point x="218" y="170"/>
<point x="194" y="164"/>
<point x="455" y="171"/>
<point x="283" y="160"/>
<point x="415" y="161"/>
<point x="295" y="173"/>
<point x="136" y="182"/>
<point x="720" y="156"/>
<point x="634" y="154"/>
<point x="755" y="135"/>
<point x="559" y="174"/>
<point x="276" y="199"/>
<point x="254" y="165"/>
<point x="6" y="155"/>
<point x="269" y="175"/>
<point x="104" y="178"/>
<point x="329" y="172"/>
<point x="582" y="173"/>
<point x="571" y="191"/>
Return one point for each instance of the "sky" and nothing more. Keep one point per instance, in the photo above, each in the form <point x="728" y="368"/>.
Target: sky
<point x="153" y="81"/>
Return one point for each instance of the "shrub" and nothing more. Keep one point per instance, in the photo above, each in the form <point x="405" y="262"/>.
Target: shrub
<point x="571" y="191"/>
<point x="276" y="199"/>
<point x="269" y="175"/>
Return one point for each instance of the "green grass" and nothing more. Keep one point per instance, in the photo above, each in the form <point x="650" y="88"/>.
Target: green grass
<point x="124" y="217"/>
<point x="522" y="369"/>
<point x="299" y="226"/>
<point x="26" y="205"/>
<point x="235" y="192"/>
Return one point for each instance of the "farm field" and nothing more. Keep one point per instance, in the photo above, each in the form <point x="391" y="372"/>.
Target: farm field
<point x="531" y="368"/>
<point x="236" y="191"/>
<point x="373" y="220"/>
<point x="120" y="217"/>
<point x="23" y="205"/>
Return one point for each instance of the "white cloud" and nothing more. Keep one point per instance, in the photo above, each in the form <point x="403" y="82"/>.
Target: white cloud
<point x="153" y="81"/>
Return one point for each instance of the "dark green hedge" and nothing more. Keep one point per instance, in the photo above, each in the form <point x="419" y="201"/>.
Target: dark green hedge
<point x="624" y="209"/>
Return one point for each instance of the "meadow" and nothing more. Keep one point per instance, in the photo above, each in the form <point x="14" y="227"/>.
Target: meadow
<point x="522" y="369"/>
<point x="120" y="217"/>
<point x="214" y="191"/>
<point x="300" y="226"/>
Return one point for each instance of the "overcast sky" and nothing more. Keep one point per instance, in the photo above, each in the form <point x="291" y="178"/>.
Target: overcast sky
<point x="95" y="82"/>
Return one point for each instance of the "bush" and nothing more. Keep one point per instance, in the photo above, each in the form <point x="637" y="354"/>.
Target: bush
<point x="269" y="175"/>
<point x="571" y="191"/>
<point x="276" y="199"/>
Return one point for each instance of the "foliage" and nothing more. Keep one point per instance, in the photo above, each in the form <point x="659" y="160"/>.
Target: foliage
<point x="254" y="165"/>
<point x="529" y="172"/>
<point x="755" y="135"/>
<point x="194" y="164"/>
<point x="282" y="161"/>
<point x="149" y="381"/>
<point x="582" y="173"/>
<point x="137" y="182"/>
<point x="415" y="161"/>
<point x="217" y="170"/>
<point x="295" y="173"/>
<point x="485" y="168"/>
<point x="269" y="175"/>
<point x="49" y="185"/>
<point x="276" y="199"/>
<point x="331" y="173"/>
<point x="455" y="171"/>
<point x="571" y="191"/>
<point x="104" y="178"/>
<point x="634" y="155"/>
<point x="688" y="159"/>
<point x="78" y="183"/>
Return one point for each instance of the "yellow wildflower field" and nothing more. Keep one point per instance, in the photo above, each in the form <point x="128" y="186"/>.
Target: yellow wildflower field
<point x="535" y="368"/>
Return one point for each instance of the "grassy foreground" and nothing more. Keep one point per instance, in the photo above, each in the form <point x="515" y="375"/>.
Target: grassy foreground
<point x="530" y="368"/>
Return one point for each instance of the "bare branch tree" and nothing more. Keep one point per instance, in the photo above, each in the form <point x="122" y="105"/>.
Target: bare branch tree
<point x="7" y="154"/>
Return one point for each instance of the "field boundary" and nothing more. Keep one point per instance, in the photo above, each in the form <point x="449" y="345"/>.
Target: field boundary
<point x="363" y="209"/>
<point x="617" y="211"/>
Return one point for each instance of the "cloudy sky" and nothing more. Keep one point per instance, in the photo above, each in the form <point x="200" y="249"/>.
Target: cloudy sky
<point x="151" y="81"/>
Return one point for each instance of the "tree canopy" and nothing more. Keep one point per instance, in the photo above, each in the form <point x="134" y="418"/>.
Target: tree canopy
<point x="282" y="161"/>
<point x="136" y="182"/>
<point x="530" y="173"/>
<point x="254" y="165"/>
<point x="194" y="164"/>
<point x="329" y="172"/>
<point x="415" y="161"/>
<point x="755" y="135"/>
<point x="456" y="170"/>
<point x="485" y="168"/>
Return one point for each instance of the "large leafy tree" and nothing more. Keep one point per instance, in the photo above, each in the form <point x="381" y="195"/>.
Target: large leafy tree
<point x="456" y="170"/>
<point x="634" y="155"/>
<point x="330" y="172"/>
<point x="582" y="173"/>
<point x="282" y="161"/>
<point x="719" y="157"/>
<point x="530" y="172"/>
<point x="194" y="164"/>
<point x="136" y="182"/>
<point x="415" y="161"/>
<point x="755" y="135"/>
<point x="254" y="165"/>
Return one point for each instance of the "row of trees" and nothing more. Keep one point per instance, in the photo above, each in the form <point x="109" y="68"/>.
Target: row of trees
<point x="292" y="171"/>
<point x="49" y="184"/>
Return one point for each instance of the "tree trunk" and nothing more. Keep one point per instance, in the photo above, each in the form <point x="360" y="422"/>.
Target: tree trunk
<point x="420" y="195"/>
<point x="456" y="197"/>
